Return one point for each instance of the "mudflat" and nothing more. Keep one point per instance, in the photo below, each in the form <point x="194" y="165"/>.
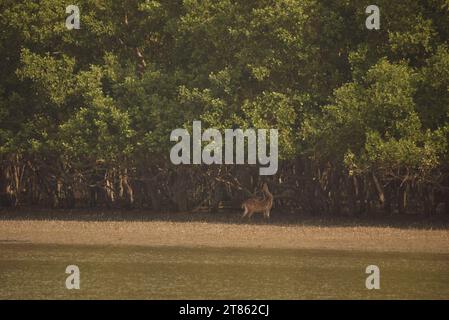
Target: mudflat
<point x="222" y="235"/>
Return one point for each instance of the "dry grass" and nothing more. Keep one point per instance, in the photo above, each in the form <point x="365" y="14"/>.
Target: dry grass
<point x="221" y="234"/>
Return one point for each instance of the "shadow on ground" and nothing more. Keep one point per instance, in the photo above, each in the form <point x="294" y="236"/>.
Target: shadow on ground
<point x="438" y="222"/>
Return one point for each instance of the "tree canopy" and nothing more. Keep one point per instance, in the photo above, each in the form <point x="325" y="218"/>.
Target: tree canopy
<point x="363" y="115"/>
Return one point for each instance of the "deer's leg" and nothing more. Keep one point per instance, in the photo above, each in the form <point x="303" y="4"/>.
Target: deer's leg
<point x="266" y="214"/>
<point x="246" y="212"/>
<point x="250" y="214"/>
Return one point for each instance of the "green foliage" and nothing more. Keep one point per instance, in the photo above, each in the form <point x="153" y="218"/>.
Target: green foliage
<point x="113" y="91"/>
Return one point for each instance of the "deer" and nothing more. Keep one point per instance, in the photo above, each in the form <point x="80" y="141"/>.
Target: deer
<point x="253" y="205"/>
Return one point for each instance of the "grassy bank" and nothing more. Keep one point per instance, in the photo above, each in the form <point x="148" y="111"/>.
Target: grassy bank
<point x="204" y="256"/>
<point x="37" y="271"/>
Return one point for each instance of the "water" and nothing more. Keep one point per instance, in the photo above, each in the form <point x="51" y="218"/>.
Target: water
<point x="31" y="271"/>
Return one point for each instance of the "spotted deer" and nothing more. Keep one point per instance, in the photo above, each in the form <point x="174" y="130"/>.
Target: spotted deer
<point x="253" y="205"/>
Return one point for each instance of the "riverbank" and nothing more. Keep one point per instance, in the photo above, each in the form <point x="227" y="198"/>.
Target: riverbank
<point x="222" y="235"/>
